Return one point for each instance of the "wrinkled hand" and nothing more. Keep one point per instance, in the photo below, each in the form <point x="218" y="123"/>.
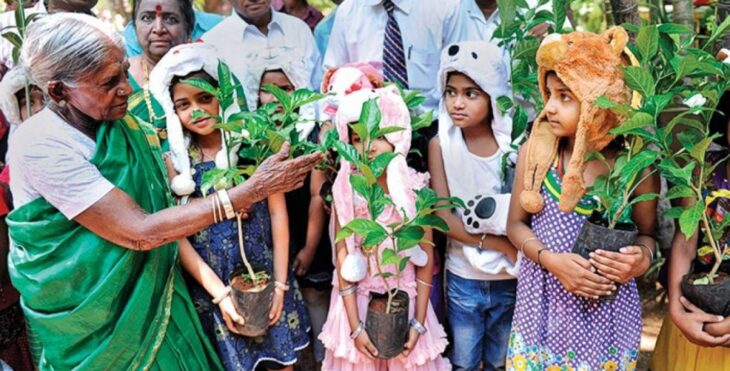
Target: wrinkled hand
<point x="365" y="346"/>
<point x="230" y="316"/>
<point x="276" y="307"/>
<point x="413" y="337"/>
<point x="691" y="321"/>
<point x="630" y="262"/>
<point x="303" y="261"/>
<point x="279" y="175"/>
<point x="577" y="275"/>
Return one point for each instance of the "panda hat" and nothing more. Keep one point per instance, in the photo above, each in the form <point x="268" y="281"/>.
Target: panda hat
<point x="181" y="61"/>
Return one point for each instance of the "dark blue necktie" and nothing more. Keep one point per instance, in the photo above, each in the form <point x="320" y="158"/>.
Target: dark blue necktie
<point x="394" y="59"/>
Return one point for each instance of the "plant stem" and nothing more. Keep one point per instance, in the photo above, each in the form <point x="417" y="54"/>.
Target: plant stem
<point x="385" y="280"/>
<point x="251" y="273"/>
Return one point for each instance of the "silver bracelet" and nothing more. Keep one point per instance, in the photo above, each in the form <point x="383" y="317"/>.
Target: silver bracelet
<point x="424" y="283"/>
<point x="226" y="202"/>
<point x="222" y="296"/>
<point x="358" y="331"/>
<point x="281" y="286"/>
<point x="349" y="290"/>
<point x="481" y="241"/>
<point x="418" y="326"/>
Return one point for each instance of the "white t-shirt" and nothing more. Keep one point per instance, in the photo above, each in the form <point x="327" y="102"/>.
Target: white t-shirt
<point x="50" y="159"/>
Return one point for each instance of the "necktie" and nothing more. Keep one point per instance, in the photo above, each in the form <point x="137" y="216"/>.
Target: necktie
<point x="394" y="60"/>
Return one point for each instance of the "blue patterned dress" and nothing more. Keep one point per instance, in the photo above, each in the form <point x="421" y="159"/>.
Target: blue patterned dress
<point x="556" y="330"/>
<point x="218" y="246"/>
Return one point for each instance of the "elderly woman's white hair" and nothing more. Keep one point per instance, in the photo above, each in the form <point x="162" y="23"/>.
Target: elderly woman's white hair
<point x="66" y="47"/>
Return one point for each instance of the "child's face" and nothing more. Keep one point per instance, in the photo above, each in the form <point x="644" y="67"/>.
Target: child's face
<point x="562" y="108"/>
<point x="466" y="103"/>
<point x="188" y="99"/>
<point x="36" y="103"/>
<point x="377" y="146"/>
<point x="278" y="79"/>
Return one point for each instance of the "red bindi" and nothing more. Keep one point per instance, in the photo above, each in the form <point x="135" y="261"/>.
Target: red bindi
<point x="158" y="9"/>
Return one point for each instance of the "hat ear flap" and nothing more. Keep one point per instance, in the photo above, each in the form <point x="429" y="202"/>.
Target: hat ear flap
<point x="573" y="187"/>
<point x="326" y="79"/>
<point x="618" y="38"/>
<point x="541" y="149"/>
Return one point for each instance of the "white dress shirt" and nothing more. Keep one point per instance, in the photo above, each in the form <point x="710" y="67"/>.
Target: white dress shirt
<point x="236" y="40"/>
<point x="426" y="26"/>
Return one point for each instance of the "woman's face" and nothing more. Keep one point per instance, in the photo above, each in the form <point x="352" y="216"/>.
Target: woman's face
<point x="103" y="95"/>
<point x="188" y="99"/>
<point x="160" y="26"/>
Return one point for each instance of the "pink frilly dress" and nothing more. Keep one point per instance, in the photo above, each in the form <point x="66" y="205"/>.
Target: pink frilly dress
<point x="341" y="353"/>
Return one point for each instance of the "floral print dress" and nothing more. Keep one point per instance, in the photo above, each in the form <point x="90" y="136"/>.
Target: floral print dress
<point x="218" y="246"/>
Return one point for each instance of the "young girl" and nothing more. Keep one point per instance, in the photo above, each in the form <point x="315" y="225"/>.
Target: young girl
<point x="559" y="320"/>
<point x="690" y="339"/>
<point x="466" y="161"/>
<point x="212" y="255"/>
<point x="310" y="251"/>
<point x="347" y="344"/>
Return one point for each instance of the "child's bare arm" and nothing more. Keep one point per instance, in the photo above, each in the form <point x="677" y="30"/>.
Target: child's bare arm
<point x="456" y="226"/>
<point x="362" y="341"/>
<point x="575" y="273"/>
<point x="424" y="276"/>
<point x="315" y="224"/>
<point x="280" y="237"/>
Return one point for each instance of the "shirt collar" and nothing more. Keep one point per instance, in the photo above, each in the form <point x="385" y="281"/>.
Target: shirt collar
<point x="403" y="5"/>
<point x="275" y="21"/>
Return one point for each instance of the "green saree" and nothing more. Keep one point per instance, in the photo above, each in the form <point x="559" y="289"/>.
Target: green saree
<point x="140" y="107"/>
<point x="92" y="304"/>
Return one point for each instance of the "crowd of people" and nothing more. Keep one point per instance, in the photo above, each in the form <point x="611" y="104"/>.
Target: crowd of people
<point x="116" y="256"/>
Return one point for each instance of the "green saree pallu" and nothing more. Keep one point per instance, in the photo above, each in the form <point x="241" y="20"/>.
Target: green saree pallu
<point x="94" y="305"/>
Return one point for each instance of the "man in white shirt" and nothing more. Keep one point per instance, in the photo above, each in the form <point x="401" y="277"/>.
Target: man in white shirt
<point x="426" y="26"/>
<point x="255" y="26"/>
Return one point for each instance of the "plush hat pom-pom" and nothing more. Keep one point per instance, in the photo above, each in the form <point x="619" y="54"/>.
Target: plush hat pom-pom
<point x="418" y="256"/>
<point x="354" y="268"/>
<point x="182" y="185"/>
<point x="532" y="201"/>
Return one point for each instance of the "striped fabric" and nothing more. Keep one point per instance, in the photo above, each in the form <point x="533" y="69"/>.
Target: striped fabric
<point x="394" y="59"/>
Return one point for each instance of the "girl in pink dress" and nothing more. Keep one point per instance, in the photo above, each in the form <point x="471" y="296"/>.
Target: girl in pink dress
<point x="355" y="278"/>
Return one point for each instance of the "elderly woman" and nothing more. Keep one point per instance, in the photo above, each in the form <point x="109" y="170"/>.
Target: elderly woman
<point x="94" y="257"/>
<point x="160" y="25"/>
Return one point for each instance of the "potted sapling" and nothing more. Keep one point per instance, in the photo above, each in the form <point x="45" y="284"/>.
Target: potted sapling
<point x="252" y="137"/>
<point x="389" y="236"/>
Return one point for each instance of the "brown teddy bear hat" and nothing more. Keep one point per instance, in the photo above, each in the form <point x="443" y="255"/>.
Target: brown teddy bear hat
<point x="590" y="65"/>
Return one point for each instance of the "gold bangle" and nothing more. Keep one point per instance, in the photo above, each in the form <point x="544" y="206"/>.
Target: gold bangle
<point x="226" y="202"/>
<point x="215" y="209"/>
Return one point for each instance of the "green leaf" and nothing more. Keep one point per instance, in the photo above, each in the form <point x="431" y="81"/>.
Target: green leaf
<point x="719" y="32"/>
<point x="403" y="263"/>
<point x="432" y="221"/>
<point x="674" y="212"/>
<point x="559" y="12"/>
<point x="699" y="150"/>
<point x="704" y="280"/>
<point x="644" y="197"/>
<point x="408" y="237"/>
<point x="507" y="13"/>
<point x="636" y="165"/>
<point x="211" y="178"/>
<point x="637" y="78"/>
<point x="363" y="227"/>
<point x="638" y="120"/>
<point x="425" y="198"/>
<point x="680" y="191"/>
<point x="367" y="172"/>
<point x="370" y="117"/>
<point x="389" y="257"/>
<point x="225" y="85"/>
<point x="674" y="174"/>
<point x="647" y="42"/>
<point x="604" y="102"/>
<point x="674" y="29"/>
<point x="526" y="48"/>
<point x="421" y="121"/>
<point x="374" y="239"/>
<point x="202" y="85"/>
<point x="388" y="130"/>
<point x="519" y="122"/>
<point x="302" y="97"/>
<point x="360" y="185"/>
<point x="504" y="103"/>
<point x="281" y="96"/>
<point x="347" y="151"/>
<point x="361" y="130"/>
<point x="690" y="218"/>
<point x="380" y="163"/>
<point x="14" y="39"/>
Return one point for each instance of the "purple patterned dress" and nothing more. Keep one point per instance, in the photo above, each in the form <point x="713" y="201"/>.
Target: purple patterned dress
<point x="554" y="329"/>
